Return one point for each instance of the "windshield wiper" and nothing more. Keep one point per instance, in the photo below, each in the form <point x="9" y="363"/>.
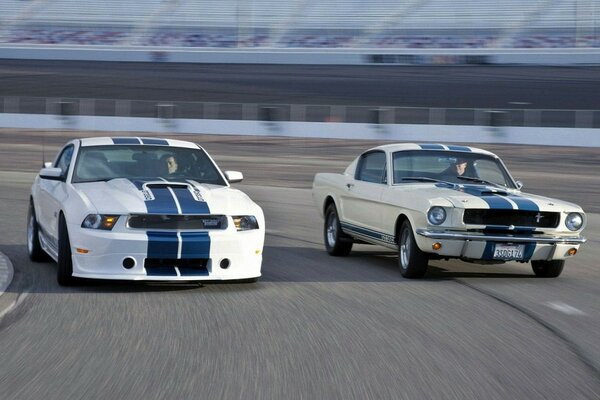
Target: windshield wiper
<point x="420" y="179"/>
<point x="472" y="179"/>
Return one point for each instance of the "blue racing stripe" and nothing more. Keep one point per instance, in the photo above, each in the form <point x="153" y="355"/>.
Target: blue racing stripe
<point x="163" y="202"/>
<point x="528" y="252"/>
<point x="162" y="142"/>
<point x="493" y="201"/>
<point x="458" y="148"/>
<point x="183" y="271"/>
<point x="188" y="204"/>
<point x="125" y="140"/>
<point x="524" y="204"/>
<point x="430" y="146"/>
<point x="488" y="252"/>
<point x="195" y="245"/>
<point x="162" y="244"/>
<point x="161" y="271"/>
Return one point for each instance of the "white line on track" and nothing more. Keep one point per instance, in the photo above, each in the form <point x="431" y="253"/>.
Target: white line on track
<point x="564" y="308"/>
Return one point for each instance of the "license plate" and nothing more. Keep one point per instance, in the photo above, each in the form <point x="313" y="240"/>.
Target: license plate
<point x="508" y="252"/>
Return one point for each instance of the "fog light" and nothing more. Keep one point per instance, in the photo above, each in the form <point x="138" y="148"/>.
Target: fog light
<point x="128" y="263"/>
<point x="436" y="246"/>
<point x="82" y="251"/>
<point x="225" y="263"/>
<point x="572" y="251"/>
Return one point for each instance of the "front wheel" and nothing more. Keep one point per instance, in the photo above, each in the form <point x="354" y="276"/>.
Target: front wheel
<point x="34" y="248"/>
<point x="411" y="260"/>
<point x="337" y="243"/>
<point x="547" y="269"/>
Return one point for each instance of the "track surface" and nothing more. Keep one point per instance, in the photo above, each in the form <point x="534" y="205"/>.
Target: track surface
<point x="570" y="88"/>
<point x="315" y="326"/>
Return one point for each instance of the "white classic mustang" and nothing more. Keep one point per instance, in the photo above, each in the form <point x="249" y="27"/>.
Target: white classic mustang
<point x="433" y="201"/>
<point x="143" y="209"/>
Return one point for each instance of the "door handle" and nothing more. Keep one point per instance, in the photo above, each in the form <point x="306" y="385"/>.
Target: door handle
<point x="349" y="185"/>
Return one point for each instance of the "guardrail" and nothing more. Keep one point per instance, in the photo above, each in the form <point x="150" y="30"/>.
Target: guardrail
<point x="302" y="112"/>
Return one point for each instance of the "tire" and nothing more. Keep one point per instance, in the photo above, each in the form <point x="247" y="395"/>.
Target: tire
<point x="65" y="261"/>
<point x="34" y="248"/>
<point x="337" y="243"/>
<point x="411" y="260"/>
<point x="547" y="269"/>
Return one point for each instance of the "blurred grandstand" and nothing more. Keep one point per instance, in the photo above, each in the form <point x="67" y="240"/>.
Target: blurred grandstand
<point x="304" y="23"/>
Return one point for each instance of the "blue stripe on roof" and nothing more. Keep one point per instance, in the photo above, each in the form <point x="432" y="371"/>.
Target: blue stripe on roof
<point x="430" y="146"/>
<point x="459" y="148"/>
<point x="162" y="244"/>
<point x="125" y="140"/>
<point x="162" y="142"/>
<point x="195" y="245"/>
<point x="188" y="204"/>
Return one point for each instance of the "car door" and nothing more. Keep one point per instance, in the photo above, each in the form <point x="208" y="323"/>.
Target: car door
<point x="53" y="194"/>
<point x="362" y="196"/>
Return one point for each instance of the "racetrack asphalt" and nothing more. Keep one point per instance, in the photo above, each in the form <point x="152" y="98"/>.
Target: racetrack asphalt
<point x="315" y="326"/>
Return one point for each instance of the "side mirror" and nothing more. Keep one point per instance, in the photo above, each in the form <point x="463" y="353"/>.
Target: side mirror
<point x="519" y="184"/>
<point x="234" y="176"/>
<point x="53" y="174"/>
<point x="48" y="164"/>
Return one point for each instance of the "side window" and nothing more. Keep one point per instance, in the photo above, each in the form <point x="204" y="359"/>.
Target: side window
<point x="372" y="168"/>
<point x="64" y="160"/>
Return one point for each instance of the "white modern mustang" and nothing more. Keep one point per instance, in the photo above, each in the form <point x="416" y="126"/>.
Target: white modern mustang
<point x="143" y="209"/>
<point x="433" y="201"/>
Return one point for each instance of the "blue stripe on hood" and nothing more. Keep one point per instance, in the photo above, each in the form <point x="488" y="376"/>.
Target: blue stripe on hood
<point x="524" y="204"/>
<point x="494" y="201"/>
<point x="188" y="204"/>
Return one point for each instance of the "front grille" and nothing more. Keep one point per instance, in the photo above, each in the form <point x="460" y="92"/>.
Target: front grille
<point x="534" y="219"/>
<point x="149" y="221"/>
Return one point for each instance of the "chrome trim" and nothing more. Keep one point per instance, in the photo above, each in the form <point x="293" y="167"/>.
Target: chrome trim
<point x="501" y="238"/>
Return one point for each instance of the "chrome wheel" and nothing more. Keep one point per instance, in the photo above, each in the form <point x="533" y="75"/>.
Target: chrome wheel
<point x="336" y="242"/>
<point x="332" y="231"/>
<point x="30" y="233"/>
<point x="405" y="245"/>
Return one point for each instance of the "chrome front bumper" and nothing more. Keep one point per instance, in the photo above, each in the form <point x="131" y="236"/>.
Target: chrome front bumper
<point x="444" y="235"/>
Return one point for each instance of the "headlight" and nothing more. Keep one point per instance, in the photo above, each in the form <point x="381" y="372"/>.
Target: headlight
<point x="574" y="221"/>
<point x="245" y="222"/>
<point x="436" y="215"/>
<point x="99" y="221"/>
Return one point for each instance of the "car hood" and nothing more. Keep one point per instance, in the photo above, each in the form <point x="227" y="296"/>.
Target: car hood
<point x="124" y="196"/>
<point x="490" y="197"/>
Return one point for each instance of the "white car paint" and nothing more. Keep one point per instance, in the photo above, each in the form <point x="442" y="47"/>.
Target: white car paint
<point x="100" y="254"/>
<point x="373" y="212"/>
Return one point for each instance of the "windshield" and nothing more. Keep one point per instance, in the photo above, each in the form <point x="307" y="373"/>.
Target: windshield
<point x="143" y="162"/>
<point x="449" y="166"/>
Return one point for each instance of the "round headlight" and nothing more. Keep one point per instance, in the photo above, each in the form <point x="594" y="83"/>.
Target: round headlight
<point x="436" y="215"/>
<point x="92" y="221"/>
<point x="574" y="221"/>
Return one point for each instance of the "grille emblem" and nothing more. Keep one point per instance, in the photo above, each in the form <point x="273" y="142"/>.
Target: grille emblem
<point x="538" y="218"/>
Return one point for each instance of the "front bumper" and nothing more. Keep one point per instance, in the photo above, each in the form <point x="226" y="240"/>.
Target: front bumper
<point x="107" y="251"/>
<point x="480" y="246"/>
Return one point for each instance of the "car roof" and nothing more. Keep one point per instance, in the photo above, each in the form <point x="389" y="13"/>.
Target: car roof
<point x="431" y="146"/>
<point x="153" y="141"/>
